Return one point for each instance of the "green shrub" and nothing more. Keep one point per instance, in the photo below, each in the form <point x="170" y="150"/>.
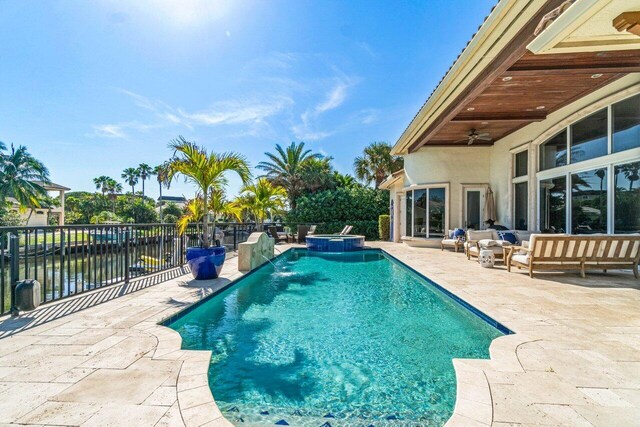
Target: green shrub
<point x="384" y="225"/>
<point x="331" y="210"/>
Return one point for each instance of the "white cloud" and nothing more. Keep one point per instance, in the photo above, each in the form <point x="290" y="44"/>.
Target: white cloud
<point x="237" y="112"/>
<point x="334" y="99"/>
<point x="109" y="131"/>
<point x="228" y="34"/>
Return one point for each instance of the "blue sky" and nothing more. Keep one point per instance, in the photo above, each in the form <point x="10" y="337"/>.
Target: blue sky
<point x="93" y="87"/>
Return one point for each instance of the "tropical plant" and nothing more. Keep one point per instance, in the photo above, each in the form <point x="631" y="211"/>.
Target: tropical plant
<point x="376" y="163"/>
<point x="139" y="210"/>
<point x="219" y="206"/>
<point x="163" y="177"/>
<point x="102" y="184"/>
<point x="113" y="188"/>
<point x="331" y="210"/>
<point x="317" y="174"/>
<point x="144" y="172"/>
<point x="105" y="216"/>
<point x="384" y="227"/>
<point x="22" y="177"/>
<point x="344" y="180"/>
<point x="285" y="168"/>
<point x="261" y="200"/>
<point x="207" y="171"/>
<point x="131" y="176"/>
<point x="172" y="209"/>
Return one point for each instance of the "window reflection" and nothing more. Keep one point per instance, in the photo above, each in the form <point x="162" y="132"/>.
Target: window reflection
<point x="589" y="202"/>
<point x="627" y="198"/>
<point x="553" y="204"/>
<point x="420" y="213"/>
<point x="626" y="124"/>
<point x="409" y="219"/>
<point x="521" y="206"/>
<point x="436" y="212"/>
<point x="589" y="137"/>
<point x="553" y="153"/>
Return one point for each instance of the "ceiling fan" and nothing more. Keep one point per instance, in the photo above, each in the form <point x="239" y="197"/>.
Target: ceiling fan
<point x="475" y="136"/>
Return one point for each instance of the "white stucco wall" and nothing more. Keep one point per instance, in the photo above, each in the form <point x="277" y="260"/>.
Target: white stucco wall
<point x="493" y="165"/>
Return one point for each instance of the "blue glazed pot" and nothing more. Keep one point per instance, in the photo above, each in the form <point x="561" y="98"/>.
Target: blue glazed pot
<point x="206" y="263"/>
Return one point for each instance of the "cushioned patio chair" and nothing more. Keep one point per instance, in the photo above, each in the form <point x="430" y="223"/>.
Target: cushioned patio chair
<point x="453" y="239"/>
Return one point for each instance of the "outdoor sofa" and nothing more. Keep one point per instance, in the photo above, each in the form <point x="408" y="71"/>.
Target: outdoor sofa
<point x="496" y="240"/>
<point x="577" y="252"/>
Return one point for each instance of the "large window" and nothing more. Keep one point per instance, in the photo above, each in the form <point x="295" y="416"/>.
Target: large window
<point x="553" y="205"/>
<point x="627" y="198"/>
<point x="436" y="212"/>
<point x="420" y="213"/>
<point x="409" y="219"/>
<point x="626" y="124"/>
<point x="521" y="206"/>
<point x="553" y="153"/>
<point x="426" y="212"/>
<point x="600" y="193"/>
<point x="589" y="202"/>
<point x="521" y="164"/>
<point x="589" y="137"/>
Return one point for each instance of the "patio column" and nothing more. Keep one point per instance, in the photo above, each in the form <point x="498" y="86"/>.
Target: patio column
<point x="61" y="220"/>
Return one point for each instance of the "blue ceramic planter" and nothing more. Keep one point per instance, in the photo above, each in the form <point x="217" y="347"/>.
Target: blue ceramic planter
<point x="205" y="263"/>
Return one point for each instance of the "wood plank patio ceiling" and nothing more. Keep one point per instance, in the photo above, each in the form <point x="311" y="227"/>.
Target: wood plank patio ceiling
<point x="519" y="88"/>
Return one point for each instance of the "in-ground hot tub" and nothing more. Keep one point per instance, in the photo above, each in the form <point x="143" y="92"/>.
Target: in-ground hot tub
<point x="334" y="243"/>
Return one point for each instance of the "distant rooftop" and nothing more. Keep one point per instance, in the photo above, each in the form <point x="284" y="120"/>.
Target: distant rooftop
<point x="51" y="186"/>
<point x="172" y="199"/>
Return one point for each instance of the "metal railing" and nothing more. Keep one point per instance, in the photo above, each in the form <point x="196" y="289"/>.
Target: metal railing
<point x="72" y="259"/>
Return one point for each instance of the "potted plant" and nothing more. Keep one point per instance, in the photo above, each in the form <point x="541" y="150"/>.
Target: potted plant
<point x="207" y="171"/>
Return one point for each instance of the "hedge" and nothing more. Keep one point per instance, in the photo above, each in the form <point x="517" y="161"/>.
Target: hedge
<point x="331" y="210"/>
<point x="384" y="227"/>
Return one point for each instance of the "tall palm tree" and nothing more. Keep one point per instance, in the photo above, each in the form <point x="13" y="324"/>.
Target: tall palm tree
<point x="130" y="176"/>
<point x="113" y="188"/>
<point x="101" y="183"/>
<point x="376" y="163"/>
<point x="218" y="206"/>
<point x="206" y="170"/>
<point x="144" y="172"/>
<point x="22" y="177"/>
<point x="164" y="180"/>
<point x="261" y="199"/>
<point x="284" y="168"/>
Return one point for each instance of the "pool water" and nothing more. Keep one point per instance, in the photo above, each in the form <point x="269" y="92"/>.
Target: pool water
<point x="334" y="339"/>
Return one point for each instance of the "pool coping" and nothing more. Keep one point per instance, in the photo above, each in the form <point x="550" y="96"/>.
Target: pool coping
<point x="470" y="377"/>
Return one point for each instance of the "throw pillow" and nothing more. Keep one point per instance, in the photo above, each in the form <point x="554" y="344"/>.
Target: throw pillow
<point x="508" y="236"/>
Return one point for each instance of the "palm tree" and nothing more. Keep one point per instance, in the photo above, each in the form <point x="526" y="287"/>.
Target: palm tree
<point x="206" y="170"/>
<point x="113" y="188"/>
<point x="164" y="180"/>
<point x="101" y="183"/>
<point x="261" y="199"/>
<point x="22" y="177"/>
<point x="284" y="168"/>
<point x="130" y="176"/>
<point x="144" y="172"/>
<point x="317" y="174"/>
<point x="376" y="163"/>
<point x="345" y="180"/>
<point x="218" y="205"/>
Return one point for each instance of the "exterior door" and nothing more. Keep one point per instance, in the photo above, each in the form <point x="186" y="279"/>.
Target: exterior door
<point x="473" y="207"/>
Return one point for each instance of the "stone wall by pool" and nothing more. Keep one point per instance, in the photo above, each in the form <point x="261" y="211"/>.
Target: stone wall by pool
<point x="334" y="243"/>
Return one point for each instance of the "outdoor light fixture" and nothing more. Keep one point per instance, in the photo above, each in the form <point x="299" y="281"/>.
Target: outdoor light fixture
<point x="470" y="109"/>
<point x="540" y="107"/>
<point x="507" y="79"/>
<point x="596" y="76"/>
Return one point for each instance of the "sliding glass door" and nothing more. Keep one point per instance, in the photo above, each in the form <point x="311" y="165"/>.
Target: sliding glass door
<point x="425" y="212"/>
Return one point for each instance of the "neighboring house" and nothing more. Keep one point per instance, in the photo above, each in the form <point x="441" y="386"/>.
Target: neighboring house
<point x="180" y="201"/>
<point x="41" y="216"/>
<point x="543" y="108"/>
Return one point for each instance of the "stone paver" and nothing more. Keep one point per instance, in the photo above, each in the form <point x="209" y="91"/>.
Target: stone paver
<point x="574" y="360"/>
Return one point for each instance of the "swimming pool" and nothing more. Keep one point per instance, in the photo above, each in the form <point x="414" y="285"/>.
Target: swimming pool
<point x="354" y="338"/>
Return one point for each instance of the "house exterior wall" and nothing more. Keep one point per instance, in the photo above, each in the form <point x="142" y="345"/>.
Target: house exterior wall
<point x="460" y="166"/>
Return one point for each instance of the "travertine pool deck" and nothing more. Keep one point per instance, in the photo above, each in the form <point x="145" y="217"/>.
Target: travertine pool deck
<point x="574" y="360"/>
